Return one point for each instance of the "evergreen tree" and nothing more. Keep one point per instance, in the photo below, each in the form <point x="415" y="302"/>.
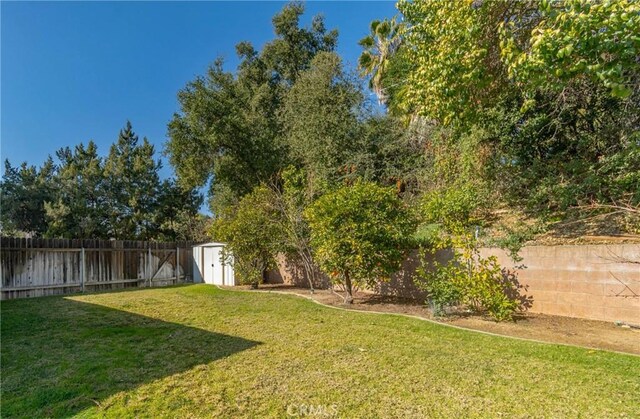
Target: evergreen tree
<point x="80" y="209"/>
<point x="177" y="214"/>
<point x="132" y="187"/>
<point x="24" y="191"/>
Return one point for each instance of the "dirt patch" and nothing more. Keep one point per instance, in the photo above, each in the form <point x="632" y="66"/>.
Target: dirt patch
<point x="552" y="329"/>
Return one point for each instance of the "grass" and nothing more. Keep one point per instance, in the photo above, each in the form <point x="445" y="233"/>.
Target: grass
<point x="197" y="351"/>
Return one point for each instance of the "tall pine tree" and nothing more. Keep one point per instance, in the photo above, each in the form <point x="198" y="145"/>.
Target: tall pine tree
<point x="132" y="187"/>
<point x="79" y="210"/>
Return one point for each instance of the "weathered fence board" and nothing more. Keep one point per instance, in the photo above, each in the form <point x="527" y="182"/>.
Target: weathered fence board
<point x="38" y="267"/>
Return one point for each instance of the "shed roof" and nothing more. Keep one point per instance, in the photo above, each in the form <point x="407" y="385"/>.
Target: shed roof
<point x="211" y="244"/>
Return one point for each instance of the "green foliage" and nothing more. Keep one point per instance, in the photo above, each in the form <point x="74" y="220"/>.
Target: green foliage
<point x="294" y="47"/>
<point x="228" y="130"/>
<point x="514" y="239"/>
<point x="596" y="39"/>
<point x="439" y="281"/>
<point x="533" y="115"/>
<point x="133" y="186"/>
<point x="574" y="149"/>
<point x="24" y="191"/>
<point x="379" y="46"/>
<point x="453" y="48"/>
<point x="251" y="234"/>
<point x="80" y="208"/>
<point x="452" y="208"/>
<point x="320" y="119"/>
<point x="85" y="195"/>
<point x="359" y="234"/>
<point x="177" y="214"/>
<point x="469" y="280"/>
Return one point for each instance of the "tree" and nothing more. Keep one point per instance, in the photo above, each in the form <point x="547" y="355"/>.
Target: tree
<point x="84" y="195"/>
<point x="536" y="102"/>
<point x="133" y="186"/>
<point x="223" y="135"/>
<point x="455" y="51"/>
<point x="290" y="199"/>
<point x="379" y="46"/>
<point x="79" y="210"/>
<point x="359" y="234"/>
<point x="228" y="131"/>
<point x="595" y="39"/>
<point x="25" y="189"/>
<point x="294" y="47"/>
<point x="177" y="215"/>
<point x="320" y="119"/>
<point x="251" y="235"/>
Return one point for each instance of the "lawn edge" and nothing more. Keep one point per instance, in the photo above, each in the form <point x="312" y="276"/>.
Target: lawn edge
<point x="412" y="316"/>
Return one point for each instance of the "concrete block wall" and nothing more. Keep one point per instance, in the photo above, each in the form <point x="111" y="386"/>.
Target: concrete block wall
<point x="598" y="282"/>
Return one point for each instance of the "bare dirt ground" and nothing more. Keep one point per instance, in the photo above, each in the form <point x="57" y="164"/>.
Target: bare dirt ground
<point x="553" y="329"/>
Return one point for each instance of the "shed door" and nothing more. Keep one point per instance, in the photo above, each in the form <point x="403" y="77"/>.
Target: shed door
<point x="213" y="266"/>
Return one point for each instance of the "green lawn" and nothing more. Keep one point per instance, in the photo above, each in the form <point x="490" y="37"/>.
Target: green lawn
<point x="197" y="351"/>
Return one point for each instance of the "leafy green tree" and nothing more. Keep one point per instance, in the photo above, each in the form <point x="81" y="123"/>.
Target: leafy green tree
<point x="84" y="195"/>
<point x="595" y="39"/>
<point x="559" y="152"/>
<point x="320" y="118"/>
<point x="534" y="112"/>
<point x="289" y="200"/>
<point x="224" y="133"/>
<point x="133" y="186"/>
<point x="294" y="47"/>
<point x="228" y="130"/>
<point x="251" y="234"/>
<point x="455" y="51"/>
<point x="359" y="234"/>
<point x="177" y="215"/>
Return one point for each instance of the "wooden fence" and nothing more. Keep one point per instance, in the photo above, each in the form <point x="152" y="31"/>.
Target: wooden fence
<point x="38" y="267"/>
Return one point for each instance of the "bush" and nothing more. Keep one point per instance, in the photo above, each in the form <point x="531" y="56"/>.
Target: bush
<point x="442" y="291"/>
<point x="469" y="280"/>
<point x="251" y="234"/>
<point x="359" y="234"/>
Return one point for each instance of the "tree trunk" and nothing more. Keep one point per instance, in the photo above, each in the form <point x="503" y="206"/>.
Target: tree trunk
<point x="348" y="299"/>
<point x="308" y="270"/>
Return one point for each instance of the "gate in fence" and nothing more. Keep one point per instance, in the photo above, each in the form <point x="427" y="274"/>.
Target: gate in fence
<point x="38" y="267"/>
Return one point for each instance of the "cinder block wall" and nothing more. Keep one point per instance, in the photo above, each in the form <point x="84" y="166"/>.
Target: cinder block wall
<point x="290" y="273"/>
<point x="598" y="282"/>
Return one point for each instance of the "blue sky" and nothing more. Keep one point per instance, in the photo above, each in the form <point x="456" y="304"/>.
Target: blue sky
<point x="75" y="71"/>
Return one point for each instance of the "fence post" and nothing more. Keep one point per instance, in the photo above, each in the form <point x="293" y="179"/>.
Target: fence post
<point x="177" y="264"/>
<point x="149" y="265"/>
<point x="83" y="268"/>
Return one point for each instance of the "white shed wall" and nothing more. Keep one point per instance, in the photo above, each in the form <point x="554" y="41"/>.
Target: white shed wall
<point x="208" y="268"/>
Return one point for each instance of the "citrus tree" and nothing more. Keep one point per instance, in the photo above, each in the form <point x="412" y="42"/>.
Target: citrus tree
<point x="359" y="234"/>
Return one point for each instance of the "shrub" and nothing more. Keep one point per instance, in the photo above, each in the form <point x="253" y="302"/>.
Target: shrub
<point x="469" y="280"/>
<point x="359" y="234"/>
<point x="251" y="233"/>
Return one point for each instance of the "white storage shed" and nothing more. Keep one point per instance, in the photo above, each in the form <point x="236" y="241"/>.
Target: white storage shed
<point x="208" y="266"/>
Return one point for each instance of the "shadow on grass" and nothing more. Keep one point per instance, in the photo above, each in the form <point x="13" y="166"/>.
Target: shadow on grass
<point x="62" y="356"/>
